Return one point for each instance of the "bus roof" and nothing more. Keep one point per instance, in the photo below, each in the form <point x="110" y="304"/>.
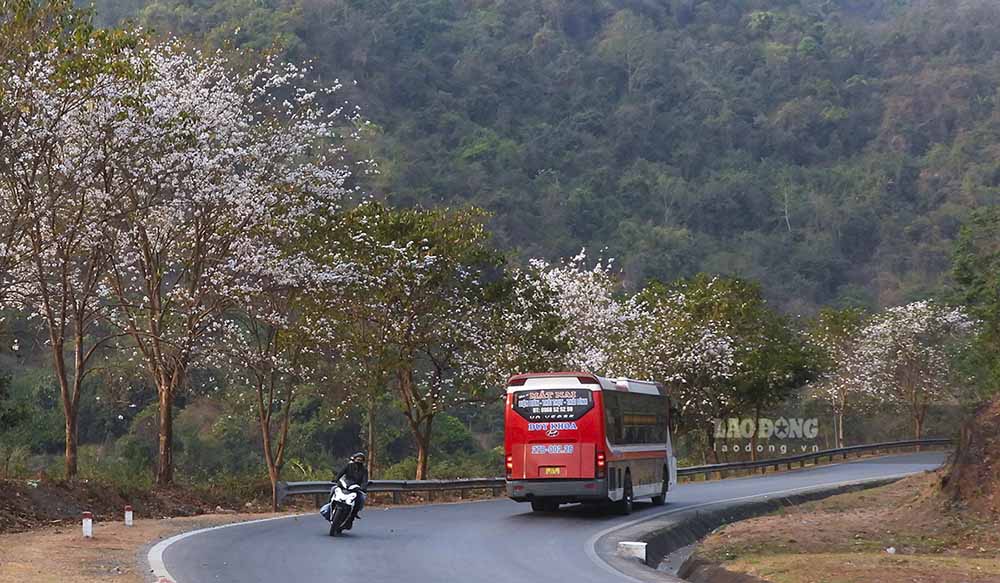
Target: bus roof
<point x="570" y="379"/>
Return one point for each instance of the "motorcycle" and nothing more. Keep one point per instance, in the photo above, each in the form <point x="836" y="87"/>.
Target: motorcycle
<point x="343" y="497"/>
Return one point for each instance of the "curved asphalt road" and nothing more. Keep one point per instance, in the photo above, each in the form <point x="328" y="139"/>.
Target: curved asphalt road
<point x="497" y="540"/>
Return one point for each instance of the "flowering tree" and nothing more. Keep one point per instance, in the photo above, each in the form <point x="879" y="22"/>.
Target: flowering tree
<point x="904" y="355"/>
<point x="272" y="341"/>
<point x="429" y="312"/>
<point x="682" y="335"/>
<point x="689" y="342"/>
<point x="208" y="166"/>
<point x="593" y="321"/>
<point x="57" y="96"/>
<point x="836" y="334"/>
<point x="718" y="346"/>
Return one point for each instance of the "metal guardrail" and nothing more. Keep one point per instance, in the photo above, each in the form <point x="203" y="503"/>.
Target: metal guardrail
<point x="398" y="487"/>
<point x="801" y="459"/>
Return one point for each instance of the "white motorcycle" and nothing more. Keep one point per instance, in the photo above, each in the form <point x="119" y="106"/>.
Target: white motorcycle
<point x="338" y="512"/>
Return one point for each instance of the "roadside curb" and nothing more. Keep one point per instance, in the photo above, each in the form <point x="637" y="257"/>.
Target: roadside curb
<point x="667" y="532"/>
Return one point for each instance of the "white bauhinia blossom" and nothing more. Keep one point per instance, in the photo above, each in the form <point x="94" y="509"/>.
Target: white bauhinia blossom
<point x="55" y="116"/>
<point x="272" y="341"/>
<point x="210" y="170"/>
<point x="836" y="335"/>
<point x="905" y="355"/>
<point x="430" y="315"/>
<point x="659" y="337"/>
<point x="584" y="298"/>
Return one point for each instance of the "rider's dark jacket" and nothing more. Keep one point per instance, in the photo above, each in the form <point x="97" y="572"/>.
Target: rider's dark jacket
<point x="356" y="474"/>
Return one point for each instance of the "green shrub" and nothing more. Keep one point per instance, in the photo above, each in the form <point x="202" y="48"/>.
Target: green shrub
<point x="105" y="466"/>
<point x="13" y="461"/>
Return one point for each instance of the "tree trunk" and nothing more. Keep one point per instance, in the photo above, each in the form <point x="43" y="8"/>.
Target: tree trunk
<point x="272" y="470"/>
<point x="918" y="427"/>
<point x="72" y="432"/>
<point x="71" y="406"/>
<point x="165" y="469"/>
<point x="753" y="438"/>
<point x="423" y="437"/>
<point x="370" y="437"/>
<point x="839" y="422"/>
<point x="712" y="443"/>
<point x="274" y="474"/>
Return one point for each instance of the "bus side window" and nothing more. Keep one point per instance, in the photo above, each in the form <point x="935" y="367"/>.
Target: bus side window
<point x="613" y="417"/>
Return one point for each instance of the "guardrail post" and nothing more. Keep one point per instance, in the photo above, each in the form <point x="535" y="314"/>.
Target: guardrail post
<point x="497" y="491"/>
<point x="430" y="495"/>
<point x="317" y="498"/>
<point x="397" y="497"/>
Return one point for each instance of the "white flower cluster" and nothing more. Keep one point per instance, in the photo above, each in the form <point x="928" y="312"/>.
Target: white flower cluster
<point x="903" y="353"/>
<point x="662" y="337"/>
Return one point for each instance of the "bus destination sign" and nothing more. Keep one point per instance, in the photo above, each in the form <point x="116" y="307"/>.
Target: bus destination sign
<point x="553" y="404"/>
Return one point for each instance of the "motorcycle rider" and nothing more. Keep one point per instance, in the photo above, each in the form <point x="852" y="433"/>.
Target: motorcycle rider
<point x="356" y="472"/>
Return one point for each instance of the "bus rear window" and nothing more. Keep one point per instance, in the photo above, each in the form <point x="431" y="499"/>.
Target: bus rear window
<point x="553" y="404"/>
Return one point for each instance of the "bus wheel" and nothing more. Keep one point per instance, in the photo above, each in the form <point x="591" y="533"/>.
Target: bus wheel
<point x="662" y="498"/>
<point x="625" y="504"/>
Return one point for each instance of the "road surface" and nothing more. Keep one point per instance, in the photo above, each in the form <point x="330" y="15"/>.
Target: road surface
<point x="489" y="541"/>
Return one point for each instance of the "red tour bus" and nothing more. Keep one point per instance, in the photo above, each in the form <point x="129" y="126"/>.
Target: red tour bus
<point x="577" y="437"/>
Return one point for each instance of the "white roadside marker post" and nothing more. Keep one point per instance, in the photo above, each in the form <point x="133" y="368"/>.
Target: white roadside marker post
<point x="128" y="516"/>
<point x="88" y="525"/>
<point x="632" y="550"/>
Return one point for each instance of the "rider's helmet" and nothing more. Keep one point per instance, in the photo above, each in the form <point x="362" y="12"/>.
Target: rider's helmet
<point x="359" y="457"/>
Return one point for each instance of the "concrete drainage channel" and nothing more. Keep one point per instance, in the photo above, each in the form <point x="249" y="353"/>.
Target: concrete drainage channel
<point x="638" y="549"/>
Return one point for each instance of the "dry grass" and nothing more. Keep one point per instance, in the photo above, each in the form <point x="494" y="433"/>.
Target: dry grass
<point x="62" y="555"/>
<point x="844" y="539"/>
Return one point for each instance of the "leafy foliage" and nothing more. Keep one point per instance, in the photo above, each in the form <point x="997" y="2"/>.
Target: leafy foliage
<point x="828" y="149"/>
<point x="977" y="277"/>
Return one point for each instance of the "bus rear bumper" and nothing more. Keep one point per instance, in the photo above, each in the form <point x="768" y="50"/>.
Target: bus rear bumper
<point x="557" y="490"/>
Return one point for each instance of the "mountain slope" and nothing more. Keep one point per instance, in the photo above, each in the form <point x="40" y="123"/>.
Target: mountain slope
<point x="830" y="149"/>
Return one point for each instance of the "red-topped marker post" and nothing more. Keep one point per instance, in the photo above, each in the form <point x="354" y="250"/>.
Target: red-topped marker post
<point x="88" y="525"/>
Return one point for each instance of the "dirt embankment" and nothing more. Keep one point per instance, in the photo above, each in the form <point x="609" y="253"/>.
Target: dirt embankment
<point x="973" y="479"/>
<point x="28" y="504"/>
<point x="940" y="527"/>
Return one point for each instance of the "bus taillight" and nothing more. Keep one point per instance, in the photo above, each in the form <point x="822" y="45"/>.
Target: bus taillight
<point x="510" y="466"/>
<point x="600" y="464"/>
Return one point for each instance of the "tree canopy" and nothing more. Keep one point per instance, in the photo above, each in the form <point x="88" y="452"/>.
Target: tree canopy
<point x="828" y="149"/>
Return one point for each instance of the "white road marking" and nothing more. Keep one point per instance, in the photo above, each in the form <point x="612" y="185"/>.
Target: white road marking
<point x="155" y="555"/>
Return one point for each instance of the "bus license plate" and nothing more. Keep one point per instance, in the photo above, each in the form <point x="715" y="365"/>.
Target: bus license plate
<point x="553" y="471"/>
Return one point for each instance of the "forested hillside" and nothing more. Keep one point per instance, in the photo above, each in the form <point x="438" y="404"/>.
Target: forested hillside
<point x="827" y="148"/>
<point x="199" y="270"/>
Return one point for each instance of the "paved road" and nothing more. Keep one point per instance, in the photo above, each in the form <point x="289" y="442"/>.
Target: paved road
<point x="497" y="540"/>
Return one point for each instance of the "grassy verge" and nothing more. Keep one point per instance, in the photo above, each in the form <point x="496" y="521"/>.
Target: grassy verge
<point x="902" y="532"/>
